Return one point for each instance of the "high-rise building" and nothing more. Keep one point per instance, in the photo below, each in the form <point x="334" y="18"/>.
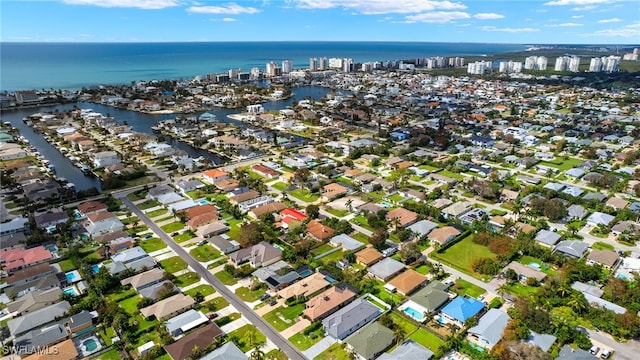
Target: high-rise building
<point x="604" y="64"/>
<point x="313" y="64"/>
<point x="567" y="63"/>
<point x="324" y="63"/>
<point x="256" y="73"/>
<point x="479" y="67"/>
<point x="348" y="65"/>
<point x="273" y="69"/>
<point x="510" y="67"/>
<point x="287" y="66"/>
<point x="536" y="63"/>
<point x="456" y="62"/>
<point x="335" y="63"/>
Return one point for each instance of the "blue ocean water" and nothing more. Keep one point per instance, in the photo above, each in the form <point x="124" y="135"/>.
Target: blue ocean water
<point x="75" y="65"/>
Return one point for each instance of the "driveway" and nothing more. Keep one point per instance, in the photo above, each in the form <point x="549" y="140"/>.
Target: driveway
<point x="319" y="347"/>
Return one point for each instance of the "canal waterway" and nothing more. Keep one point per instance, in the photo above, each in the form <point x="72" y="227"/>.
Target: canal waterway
<point x="139" y="122"/>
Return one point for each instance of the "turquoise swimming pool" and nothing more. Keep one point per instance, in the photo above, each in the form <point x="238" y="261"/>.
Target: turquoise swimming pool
<point x="414" y="313"/>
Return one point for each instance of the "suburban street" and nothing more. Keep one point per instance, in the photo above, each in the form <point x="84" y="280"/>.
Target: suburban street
<point x="280" y="342"/>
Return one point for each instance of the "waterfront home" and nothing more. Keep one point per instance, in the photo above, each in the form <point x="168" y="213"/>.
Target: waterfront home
<point x="327" y="302"/>
<point x="105" y="158"/>
<point x="371" y="340"/>
<point x="490" y="328"/>
<point x="42" y="190"/>
<point x="350" y="318"/>
<point x="12" y="153"/>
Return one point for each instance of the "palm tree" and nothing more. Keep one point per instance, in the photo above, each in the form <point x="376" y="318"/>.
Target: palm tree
<point x="502" y="289"/>
<point x="577" y="302"/>
<point x="257" y="353"/>
<point x="399" y="334"/>
<point x="349" y="205"/>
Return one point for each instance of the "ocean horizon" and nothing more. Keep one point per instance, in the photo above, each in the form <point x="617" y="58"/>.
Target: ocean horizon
<point x="76" y="65"/>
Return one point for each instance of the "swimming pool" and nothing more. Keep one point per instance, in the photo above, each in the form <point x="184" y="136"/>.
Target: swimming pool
<point x="71" y="290"/>
<point x="622" y="277"/>
<point x="204" y="202"/>
<point x="73" y="276"/>
<point x="95" y="268"/>
<point x="306" y="273"/>
<point x="386" y="204"/>
<point x="535" y="265"/>
<point x="414" y="313"/>
<point x="330" y="280"/>
<point x="90" y="345"/>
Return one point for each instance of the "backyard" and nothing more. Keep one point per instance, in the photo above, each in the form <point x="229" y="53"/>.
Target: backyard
<point x="303" y="342"/>
<point x="246" y="337"/>
<point x="304" y="195"/>
<point x="283" y="317"/>
<point x="562" y="164"/>
<point x="427" y="339"/>
<point x="152" y="244"/>
<point x="462" y="255"/>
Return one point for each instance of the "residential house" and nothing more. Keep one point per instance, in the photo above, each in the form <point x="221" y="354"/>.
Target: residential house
<point x="327" y="302"/>
<point x="306" y="287"/>
<point x="265" y="171"/>
<point x="65" y="350"/>
<point x="17" y="259"/>
<point x="332" y="191"/>
<point x="627" y="227"/>
<point x="346" y="242"/>
<point x="617" y="203"/>
<point x="569" y="353"/>
<point x="224" y="244"/>
<point x="490" y="328"/>
<point x="13" y="241"/>
<point x="214" y="175"/>
<point x="370" y="340"/>
<point x="600" y="218"/>
<point x="547" y="237"/>
<point x="461" y="309"/>
<point x="408" y="350"/>
<point x="105" y="158"/>
<point x="201" y="338"/>
<point x="184" y="322"/>
<point x="228" y="351"/>
<point x="576" y="212"/>
<point x="402" y="216"/>
<point x="319" y="231"/>
<point x="269" y="208"/>
<point x="386" y="268"/>
<point x="33" y="301"/>
<point x="444" y="234"/>
<point x="543" y="341"/>
<point x="258" y="255"/>
<point x="427" y="300"/>
<point x="526" y="272"/>
<point x="422" y="228"/>
<point x="350" y="318"/>
<point x="407" y="282"/>
<point x="135" y="259"/>
<point x="606" y="258"/>
<point x="14" y="226"/>
<point x="368" y="256"/>
<point x="456" y="210"/>
<point x="572" y="248"/>
<point x="22" y="324"/>
<point x="51" y="219"/>
<point x="168" y="307"/>
<point x="212" y="229"/>
<point x="90" y="207"/>
<point x="148" y="283"/>
<point x="30" y="274"/>
<point x="189" y="185"/>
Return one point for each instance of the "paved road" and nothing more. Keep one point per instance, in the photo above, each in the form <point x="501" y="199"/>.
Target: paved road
<point x="263" y="326"/>
<point x="626" y="351"/>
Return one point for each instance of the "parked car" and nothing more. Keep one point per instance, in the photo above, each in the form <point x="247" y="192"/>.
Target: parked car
<point x="175" y="233"/>
<point x="148" y="236"/>
<point x="202" y="242"/>
<point x="213" y="316"/>
<point x="594" y="350"/>
<point x="264" y="297"/>
<point x="605" y="354"/>
<point x="273" y="302"/>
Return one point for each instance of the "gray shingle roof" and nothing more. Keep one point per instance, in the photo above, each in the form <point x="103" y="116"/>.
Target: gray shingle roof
<point x="385" y="268"/>
<point x="490" y="327"/>
<point x="409" y="350"/>
<point x="351" y="317"/>
<point x="37" y="318"/>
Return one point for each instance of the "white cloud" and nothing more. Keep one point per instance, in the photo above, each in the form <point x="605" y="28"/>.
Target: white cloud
<point x="612" y="20"/>
<point x="628" y="31"/>
<point x="228" y="19"/>
<point x="576" y="2"/>
<point x="140" y="4"/>
<point x="437" y="17"/>
<point x="577" y="16"/>
<point x="488" y="16"/>
<point x="373" y="7"/>
<point x="230" y="8"/>
<point x="584" y="8"/>
<point x="564" y="25"/>
<point x="508" y="29"/>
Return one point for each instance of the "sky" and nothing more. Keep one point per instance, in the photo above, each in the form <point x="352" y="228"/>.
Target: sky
<point x="503" y="21"/>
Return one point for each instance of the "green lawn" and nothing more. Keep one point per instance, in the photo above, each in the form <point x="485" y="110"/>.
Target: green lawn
<point x="226" y="278"/>
<point x="204" y="253"/>
<point x="173" y="264"/>
<point x="276" y="354"/>
<point x="463" y="287"/>
<point x="321" y="249"/>
<point x="428" y="168"/>
<point x="148" y="204"/>
<point x="121" y="295"/>
<point x="361" y="237"/>
<point x="152" y="244"/>
<point x="561" y="164"/>
<point x="462" y="254"/>
<point x="335" y="256"/>
<point x="243" y="337"/>
<point x="396" y="198"/>
<point x="234" y="228"/>
<point x="304" y="195"/>
<point x="187" y="235"/>
<point x="407" y="325"/>
<point x="280" y="186"/>
<point x="187" y="279"/>
<point x="422" y="269"/>
<point x="66" y="265"/>
<point x="427" y="339"/>
<point x="203" y="289"/>
<point x="109" y="355"/>
<point x="450" y="174"/>
<point x="171" y="227"/>
<point x="215" y="304"/>
<point x="138" y="195"/>
<point x="338" y="212"/>
<point x="334" y="352"/>
<point x="518" y="289"/>
<point x="303" y="342"/>
<point x="386" y="296"/>
<point x="361" y="221"/>
<point x="157" y="212"/>
<point x="288" y="314"/>
<point x="599" y="245"/>
<point x="106" y="334"/>
<point x="247" y="295"/>
<point x="130" y="305"/>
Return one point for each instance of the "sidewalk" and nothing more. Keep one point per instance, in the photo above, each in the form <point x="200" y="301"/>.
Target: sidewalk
<point x="319" y="347"/>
